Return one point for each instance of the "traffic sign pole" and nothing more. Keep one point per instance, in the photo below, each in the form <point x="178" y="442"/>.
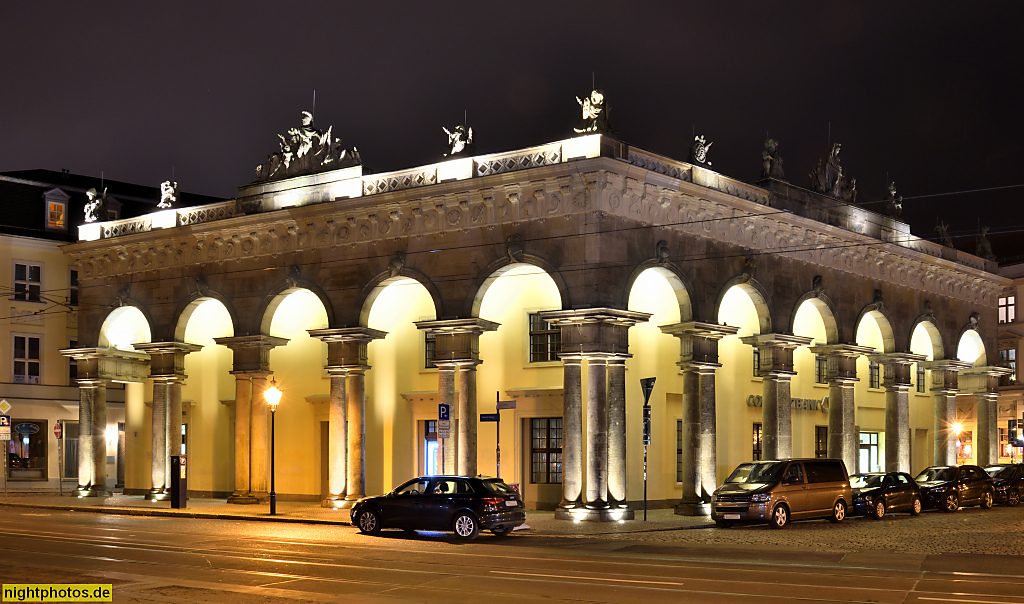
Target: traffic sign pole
<point x="58" y="430"/>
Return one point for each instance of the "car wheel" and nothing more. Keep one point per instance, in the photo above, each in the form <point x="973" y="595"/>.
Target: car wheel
<point x="1012" y="497"/>
<point x="879" y="510"/>
<point x="986" y="500"/>
<point x="838" y="512"/>
<point x="780" y="517"/>
<point x="915" y="507"/>
<point x="723" y="523"/>
<point x="465" y="526"/>
<point x="952" y="503"/>
<point x="502" y="531"/>
<point x="369" y="522"/>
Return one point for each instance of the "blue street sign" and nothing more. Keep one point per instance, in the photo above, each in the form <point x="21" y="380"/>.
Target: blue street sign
<point x="443" y="411"/>
<point x="489" y="417"/>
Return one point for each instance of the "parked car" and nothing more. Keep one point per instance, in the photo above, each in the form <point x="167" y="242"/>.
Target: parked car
<point x="949" y="488"/>
<point x="460" y="504"/>
<point x="778" y="491"/>
<point x="879" y="492"/>
<point x="1009" y="482"/>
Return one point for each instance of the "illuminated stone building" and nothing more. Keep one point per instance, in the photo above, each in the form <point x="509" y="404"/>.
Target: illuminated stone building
<point x="777" y="321"/>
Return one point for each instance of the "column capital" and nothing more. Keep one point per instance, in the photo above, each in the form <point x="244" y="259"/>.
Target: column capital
<point x="167" y="359"/>
<point x="776" y="352"/>
<point x="595" y="331"/>
<point x="626" y="318"/>
<point x="457" y="341"/>
<point x="981" y="380"/>
<point x="841" y="361"/>
<point x="346" y="346"/>
<point x="109" y="364"/>
<point x="896" y="375"/>
<point x="251" y="353"/>
<point x="698" y="342"/>
<point x="944" y="374"/>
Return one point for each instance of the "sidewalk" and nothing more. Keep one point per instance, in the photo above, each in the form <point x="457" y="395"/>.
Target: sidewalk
<point x="539" y="522"/>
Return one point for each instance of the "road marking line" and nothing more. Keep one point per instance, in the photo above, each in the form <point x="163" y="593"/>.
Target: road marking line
<point x="965" y="601"/>
<point x="580" y="578"/>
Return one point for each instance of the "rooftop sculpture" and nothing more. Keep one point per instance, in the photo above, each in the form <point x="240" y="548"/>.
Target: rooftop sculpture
<point x="771" y="161"/>
<point x="894" y="203"/>
<point x="95" y="205"/>
<point x="984" y="247"/>
<point x="593" y="115"/>
<point x="168" y="194"/>
<point x="831" y="181"/>
<point x="699" y="151"/>
<point x="306" y="150"/>
<point x="460" y="141"/>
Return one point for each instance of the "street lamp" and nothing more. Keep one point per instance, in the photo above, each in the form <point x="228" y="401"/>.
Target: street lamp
<point x="273" y="396"/>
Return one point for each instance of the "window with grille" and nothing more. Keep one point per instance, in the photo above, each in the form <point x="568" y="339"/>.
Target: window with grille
<point x="820" y="369"/>
<point x="921" y="384"/>
<point x="546" y="450"/>
<point x="26" y="359"/>
<point x="1007" y="309"/>
<point x="545" y="340"/>
<point x="874" y="380"/>
<point x="821" y="441"/>
<point x="28" y="280"/>
<point x="756" y="453"/>
<point x="757" y="362"/>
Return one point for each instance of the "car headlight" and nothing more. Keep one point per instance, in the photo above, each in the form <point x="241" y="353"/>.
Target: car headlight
<point x="761" y="497"/>
<point x="865" y="498"/>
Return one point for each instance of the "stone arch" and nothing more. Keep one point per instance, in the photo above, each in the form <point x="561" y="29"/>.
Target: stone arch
<point x="501" y="266"/>
<point x="277" y="295"/>
<point x="884" y="322"/>
<point x="124" y="326"/>
<point x="826" y="309"/>
<point x="970" y="341"/>
<point x="377" y="285"/>
<point x="927" y="323"/>
<point x="184" y="312"/>
<point x="757" y="295"/>
<point x="680" y="286"/>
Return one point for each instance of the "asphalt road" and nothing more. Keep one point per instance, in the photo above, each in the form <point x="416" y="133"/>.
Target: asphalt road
<point x="193" y="560"/>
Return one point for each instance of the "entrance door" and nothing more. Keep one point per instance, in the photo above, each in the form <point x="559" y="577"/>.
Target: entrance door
<point x="868" y="461"/>
<point x="431" y="451"/>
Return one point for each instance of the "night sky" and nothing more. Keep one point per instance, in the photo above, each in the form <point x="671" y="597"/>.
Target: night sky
<point x="926" y="92"/>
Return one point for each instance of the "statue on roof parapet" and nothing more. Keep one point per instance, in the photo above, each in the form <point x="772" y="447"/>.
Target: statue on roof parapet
<point x="95" y="205"/>
<point x="168" y="194"/>
<point x="983" y="247"/>
<point x="460" y="141"/>
<point x="306" y="150"/>
<point x="593" y="115"/>
<point x="894" y="203"/>
<point x="771" y="160"/>
<point x="942" y="229"/>
<point x="831" y="181"/>
<point x="699" y="151"/>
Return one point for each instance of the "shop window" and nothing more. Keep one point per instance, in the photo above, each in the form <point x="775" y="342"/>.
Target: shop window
<point x="1007" y="309"/>
<point x="921" y="384"/>
<point x="73" y="288"/>
<point x="868" y="460"/>
<point x="26" y="453"/>
<point x="821" y="441"/>
<point x="756" y="453"/>
<point x="820" y="369"/>
<point x="546" y="450"/>
<point x="69" y="463"/>
<point x="28" y="281"/>
<point x="679" y="450"/>
<point x="874" y="380"/>
<point x="26" y="359"/>
<point x="431" y="449"/>
<point x="545" y="340"/>
<point x="1004" y="443"/>
<point x="1008" y="359"/>
<point x="757" y="362"/>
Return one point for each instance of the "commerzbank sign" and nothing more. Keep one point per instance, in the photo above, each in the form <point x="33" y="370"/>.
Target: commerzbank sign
<point x="801" y="404"/>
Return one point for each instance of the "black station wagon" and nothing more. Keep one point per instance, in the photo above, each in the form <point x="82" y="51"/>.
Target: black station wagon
<point x="460" y="504"/>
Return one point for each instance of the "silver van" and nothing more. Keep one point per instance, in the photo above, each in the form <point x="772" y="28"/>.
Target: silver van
<point x="779" y="491"/>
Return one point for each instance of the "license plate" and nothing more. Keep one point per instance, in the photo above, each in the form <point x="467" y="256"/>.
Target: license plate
<point x="731" y="516"/>
<point x="511" y="504"/>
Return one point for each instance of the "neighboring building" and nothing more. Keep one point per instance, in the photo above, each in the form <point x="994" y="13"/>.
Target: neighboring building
<point x="42" y="210"/>
<point x="777" y="321"/>
<point x="1011" y="388"/>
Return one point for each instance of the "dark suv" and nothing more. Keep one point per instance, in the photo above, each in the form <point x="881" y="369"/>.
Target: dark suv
<point x="1009" y="481"/>
<point x="443" y="503"/>
<point x="950" y="487"/>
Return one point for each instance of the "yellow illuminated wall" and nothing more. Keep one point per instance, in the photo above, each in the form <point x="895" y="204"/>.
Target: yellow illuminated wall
<point x="123" y="327"/>
<point x="870" y="415"/>
<point x="809" y="323"/>
<point x="735" y="381"/>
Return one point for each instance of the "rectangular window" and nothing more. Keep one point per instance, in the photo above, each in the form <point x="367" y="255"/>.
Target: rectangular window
<point x="921" y="384"/>
<point x="26" y="359"/>
<point x="26" y="453"/>
<point x="429" y="344"/>
<point x="69" y="464"/>
<point x="679" y="450"/>
<point x="55" y="215"/>
<point x="757" y="362"/>
<point x="868" y="460"/>
<point x="73" y="288"/>
<point x="1004" y="443"/>
<point x="873" y="377"/>
<point x="1007" y="309"/>
<point x="821" y="441"/>
<point x="28" y="281"/>
<point x="546" y="450"/>
<point x="545" y="340"/>
<point x="1008" y="359"/>
<point x="820" y="369"/>
<point x="756" y="453"/>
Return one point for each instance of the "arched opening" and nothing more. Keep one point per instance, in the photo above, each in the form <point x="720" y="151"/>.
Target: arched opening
<point x="971" y="349"/>
<point x="813" y="319"/>
<point x="123" y="327"/>
<point x="924" y="340"/>
<point x="873" y="331"/>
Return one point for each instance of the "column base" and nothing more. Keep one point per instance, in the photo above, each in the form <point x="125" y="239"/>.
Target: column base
<point x="158" y="495"/>
<point x="590" y="514"/>
<point x="96" y="491"/>
<point x="243" y="499"/>
<point x="693" y="509"/>
<point x="336" y="503"/>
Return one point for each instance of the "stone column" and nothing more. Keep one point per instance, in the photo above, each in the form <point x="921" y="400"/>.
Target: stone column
<point x="708" y="431"/>
<point x="467" y="415"/>
<point x="99" y="441"/>
<point x="691" y="502"/>
<point x="243" y="403"/>
<point x="597" y="432"/>
<point x="983" y="382"/>
<point x="347" y="354"/>
<point x="356" y="397"/>
<point x="944" y="388"/>
<point x="897" y="369"/>
<point x="173" y="425"/>
<point x="446" y="396"/>
<point x="159" y="489"/>
<point x="572" y="435"/>
<point x="617" y="432"/>
<point x="259" y="438"/>
<point x="776" y="353"/>
<point x="841" y="373"/>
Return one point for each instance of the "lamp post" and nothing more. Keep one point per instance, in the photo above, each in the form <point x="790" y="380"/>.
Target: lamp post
<point x="273" y="396"/>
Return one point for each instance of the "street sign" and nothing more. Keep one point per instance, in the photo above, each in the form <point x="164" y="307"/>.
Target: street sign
<point x="505" y="405"/>
<point x="444" y="424"/>
<point x="647" y="385"/>
<point x="4" y="406"/>
<point x="58" y="430"/>
<point x="443" y="433"/>
<point x="647" y="424"/>
<point x="489" y="417"/>
<point x="5" y="427"/>
<point x="443" y="412"/>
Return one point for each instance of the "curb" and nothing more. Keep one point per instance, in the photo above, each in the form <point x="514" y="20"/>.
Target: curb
<point x="125" y="511"/>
